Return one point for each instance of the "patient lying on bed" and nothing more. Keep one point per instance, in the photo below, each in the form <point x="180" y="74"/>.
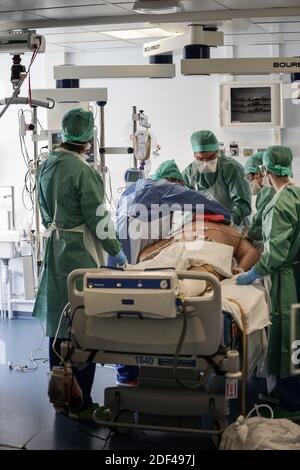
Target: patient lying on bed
<point x="206" y="249"/>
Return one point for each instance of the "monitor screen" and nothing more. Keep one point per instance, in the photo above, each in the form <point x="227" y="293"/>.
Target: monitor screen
<point x="133" y="174"/>
<point x="251" y="104"/>
<point x="56" y="140"/>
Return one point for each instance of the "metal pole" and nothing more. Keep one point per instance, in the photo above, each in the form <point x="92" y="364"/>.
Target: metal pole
<point x="36" y="203"/>
<point x="134" y="160"/>
<point x="102" y="143"/>
<point x="13" y="207"/>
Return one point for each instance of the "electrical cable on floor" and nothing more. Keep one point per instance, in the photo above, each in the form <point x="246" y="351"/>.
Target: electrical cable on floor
<point x="95" y="436"/>
<point x="26" y="366"/>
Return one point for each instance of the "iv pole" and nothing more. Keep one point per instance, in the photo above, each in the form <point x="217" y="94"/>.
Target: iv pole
<point x="34" y="104"/>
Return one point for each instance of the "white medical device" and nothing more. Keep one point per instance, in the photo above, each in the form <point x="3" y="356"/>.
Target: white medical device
<point x="132" y="175"/>
<point x="251" y="104"/>
<point x="197" y="43"/>
<point x="19" y="42"/>
<point x="141" y="137"/>
<point x="133" y="293"/>
<point x="142" y="145"/>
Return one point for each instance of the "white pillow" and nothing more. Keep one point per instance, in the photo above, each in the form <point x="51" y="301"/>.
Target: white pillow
<point x="192" y="287"/>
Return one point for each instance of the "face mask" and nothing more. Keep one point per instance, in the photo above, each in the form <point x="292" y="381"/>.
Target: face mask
<point x="254" y="187"/>
<point x="207" y="167"/>
<point x="266" y="182"/>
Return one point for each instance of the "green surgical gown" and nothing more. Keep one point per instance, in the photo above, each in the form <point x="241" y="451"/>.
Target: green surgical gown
<point x="227" y="186"/>
<point x="263" y="198"/>
<point x="280" y="260"/>
<point x="69" y="192"/>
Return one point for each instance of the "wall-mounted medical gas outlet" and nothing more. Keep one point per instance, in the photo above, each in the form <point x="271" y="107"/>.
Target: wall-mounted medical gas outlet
<point x="247" y="152"/>
<point x="245" y="104"/>
<point x="233" y="149"/>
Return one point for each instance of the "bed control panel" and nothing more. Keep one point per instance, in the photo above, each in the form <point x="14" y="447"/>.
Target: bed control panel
<point x="148" y="294"/>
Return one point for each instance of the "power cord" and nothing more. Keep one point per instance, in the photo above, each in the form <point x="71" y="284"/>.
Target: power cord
<point x="26" y="366"/>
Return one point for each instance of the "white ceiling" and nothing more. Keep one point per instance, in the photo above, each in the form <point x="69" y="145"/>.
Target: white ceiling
<point x="117" y="15"/>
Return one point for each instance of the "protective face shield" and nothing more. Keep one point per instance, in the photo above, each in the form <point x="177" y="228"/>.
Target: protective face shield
<point x="209" y="166"/>
<point x="254" y="187"/>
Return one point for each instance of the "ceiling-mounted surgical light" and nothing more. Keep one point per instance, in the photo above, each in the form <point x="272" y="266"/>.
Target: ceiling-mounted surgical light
<point x="158" y="7"/>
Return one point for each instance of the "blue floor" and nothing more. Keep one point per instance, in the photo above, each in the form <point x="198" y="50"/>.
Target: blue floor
<point x="26" y="414"/>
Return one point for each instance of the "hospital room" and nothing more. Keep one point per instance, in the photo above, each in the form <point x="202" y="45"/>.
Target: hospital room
<point x="150" y="228"/>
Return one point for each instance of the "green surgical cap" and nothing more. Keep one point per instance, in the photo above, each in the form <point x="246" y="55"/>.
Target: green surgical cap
<point x="77" y="126"/>
<point x="253" y="163"/>
<point x="278" y="160"/>
<point x="167" y="169"/>
<point x="204" y="141"/>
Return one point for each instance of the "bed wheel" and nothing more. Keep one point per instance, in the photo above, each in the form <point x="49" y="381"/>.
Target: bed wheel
<point x="216" y="438"/>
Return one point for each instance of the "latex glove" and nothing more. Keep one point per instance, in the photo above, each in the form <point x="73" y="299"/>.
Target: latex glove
<point x="120" y="258"/>
<point x="247" y="278"/>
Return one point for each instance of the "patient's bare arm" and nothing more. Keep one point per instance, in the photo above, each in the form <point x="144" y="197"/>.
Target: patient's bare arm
<point x="244" y="252"/>
<point x="247" y="255"/>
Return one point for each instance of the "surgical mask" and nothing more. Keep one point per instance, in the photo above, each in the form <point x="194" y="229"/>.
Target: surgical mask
<point x="266" y="182"/>
<point x="254" y="187"/>
<point x="207" y="167"/>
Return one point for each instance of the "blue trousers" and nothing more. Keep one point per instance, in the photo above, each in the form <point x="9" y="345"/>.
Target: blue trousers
<point x="84" y="377"/>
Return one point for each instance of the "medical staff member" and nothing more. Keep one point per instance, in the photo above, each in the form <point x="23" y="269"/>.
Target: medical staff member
<point x="263" y="194"/>
<point x="280" y="260"/>
<point x="164" y="188"/>
<point x="70" y="193"/>
<point x="218" y="177"/>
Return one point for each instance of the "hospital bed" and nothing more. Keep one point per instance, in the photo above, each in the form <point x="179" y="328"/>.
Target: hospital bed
<point x="181" y="345"/>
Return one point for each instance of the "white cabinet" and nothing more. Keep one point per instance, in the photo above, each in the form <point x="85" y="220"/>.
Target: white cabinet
<point x="244" y="104"/>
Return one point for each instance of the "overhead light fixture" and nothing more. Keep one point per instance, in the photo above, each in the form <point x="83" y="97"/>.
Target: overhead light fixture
<point x="158" y="7"/>
<point x="139" y="33"/>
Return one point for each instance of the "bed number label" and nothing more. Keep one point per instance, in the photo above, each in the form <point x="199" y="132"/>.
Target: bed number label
<point x="231" y="389"/>
<point x="144" y="360"/>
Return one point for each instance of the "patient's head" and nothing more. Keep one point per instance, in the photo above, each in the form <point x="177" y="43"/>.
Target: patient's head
<point x="175" y="181"/>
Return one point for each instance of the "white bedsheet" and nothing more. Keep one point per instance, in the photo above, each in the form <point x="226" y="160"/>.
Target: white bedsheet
<point x="251" y="298"/>
<point x="184" y="255"/>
